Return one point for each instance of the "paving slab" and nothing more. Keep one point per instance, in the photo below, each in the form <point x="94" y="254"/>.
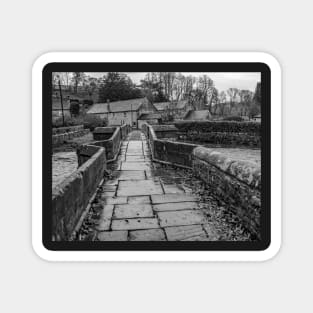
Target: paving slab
<point x="135" y="144"/>
<point x="105" y="194"/>
<point x="109" y="188"/>
<point x="176" y="206"/>
<point x="118" y="235"/>
<point x="130" y="175"/>
<point x="135" y="158"/>
<point x="147" y="235"/>
<point x="172" y="188"/>
<point x="180" y="218"/>
<point x="134" y="153"/>
<point x="115" y="200"/>
<point x="138" y="199"/>
<point x="105" y="218"/>
<point x="135" y="223"/>
<point x="133" y="211"/>
<point x="139" y="188"/>
<point x="136" y="166"/>
<point x="167" y="198"/>
<point x="184" y="232"/>
<point x="197" y="238"/>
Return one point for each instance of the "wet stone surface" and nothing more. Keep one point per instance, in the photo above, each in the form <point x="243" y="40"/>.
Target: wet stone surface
<point x="146" y="201"/>
<point x="63" y="165"/>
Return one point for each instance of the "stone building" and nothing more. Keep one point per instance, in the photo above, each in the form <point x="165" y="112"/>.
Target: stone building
<point x="150" y="118"/>
<point x="177" y="109"/>
<point x="125" y="111"/>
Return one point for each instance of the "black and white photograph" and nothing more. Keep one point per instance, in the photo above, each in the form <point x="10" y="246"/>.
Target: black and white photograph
<point x="156" y="156"/>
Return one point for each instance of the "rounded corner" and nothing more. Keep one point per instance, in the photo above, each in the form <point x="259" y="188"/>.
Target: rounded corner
<point x="271" y="251"/>
<point x="270" y="61"/>
<point x="41" y="250"/>
<point x="43" y="61"/>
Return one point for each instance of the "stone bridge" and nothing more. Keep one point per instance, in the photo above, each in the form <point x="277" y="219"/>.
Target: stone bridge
<point x="143" y="195"/>
<point x="141" y="202"/>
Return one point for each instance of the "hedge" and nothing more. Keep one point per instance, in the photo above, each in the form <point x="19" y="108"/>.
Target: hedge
<point x="219" y="126"/>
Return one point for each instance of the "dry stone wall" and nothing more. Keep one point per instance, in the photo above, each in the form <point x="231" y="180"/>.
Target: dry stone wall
<point x="62" y="134"/>
<point x="221" y="132"/>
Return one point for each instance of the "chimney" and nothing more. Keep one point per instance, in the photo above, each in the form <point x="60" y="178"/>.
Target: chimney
<point x="108" y="105"/>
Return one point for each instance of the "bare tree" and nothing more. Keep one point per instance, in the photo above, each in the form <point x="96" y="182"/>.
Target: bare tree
<point x="222" y="101"/>
<point x="204" y="85"/>
<point x="246" y="97"/>
<point x="232" y="93"/>
<point x="78" y="78"/>
<point x="213" y="98"/>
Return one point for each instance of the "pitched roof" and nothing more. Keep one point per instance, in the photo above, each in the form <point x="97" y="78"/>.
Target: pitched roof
<point x="198" y="115"/>
<point x="149" y="116"/>
<point x="117" y="106"/>
<point x="181" y="104"/>
<point x="161" y="106"/>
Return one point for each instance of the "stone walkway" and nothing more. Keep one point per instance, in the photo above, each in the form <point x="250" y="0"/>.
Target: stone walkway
<point x="140" y="202"/>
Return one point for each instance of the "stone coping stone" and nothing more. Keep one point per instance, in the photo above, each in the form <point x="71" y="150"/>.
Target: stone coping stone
<point x="245" y="171"/>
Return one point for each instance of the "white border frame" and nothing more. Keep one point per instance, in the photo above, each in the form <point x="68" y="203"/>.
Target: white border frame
<point x="276" y="165"/>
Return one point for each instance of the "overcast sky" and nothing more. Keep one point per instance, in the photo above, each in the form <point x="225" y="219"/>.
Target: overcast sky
<point x="222" y="81"/>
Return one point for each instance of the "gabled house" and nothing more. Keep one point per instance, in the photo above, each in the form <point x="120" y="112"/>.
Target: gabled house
<point x="124" y="111"/>
<point x="175" y="108"/>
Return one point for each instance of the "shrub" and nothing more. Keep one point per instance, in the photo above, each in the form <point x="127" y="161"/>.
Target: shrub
<point x="74" y="108"/>
<point x="93" y="121"/>
<point x="68" y="121"/>
<point x="219" y="126"/>
<point x="88" y="102"/>
<point x="235" y="118"/>
<point x="89" y="121"/>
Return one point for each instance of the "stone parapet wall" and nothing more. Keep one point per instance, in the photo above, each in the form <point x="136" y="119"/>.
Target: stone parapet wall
<point x="103" y="133"/>
<point x="177" y="153"/>
<point x="71" y="197"/>
<point x="125" y="129"/>
<point x="165" y="131"/>
<point x="113" y="143"/>
<point x="237" y="183"/>
<point x="61" y="138"/>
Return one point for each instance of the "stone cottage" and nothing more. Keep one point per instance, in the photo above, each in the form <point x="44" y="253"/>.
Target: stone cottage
<point x="120" y="112"/>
